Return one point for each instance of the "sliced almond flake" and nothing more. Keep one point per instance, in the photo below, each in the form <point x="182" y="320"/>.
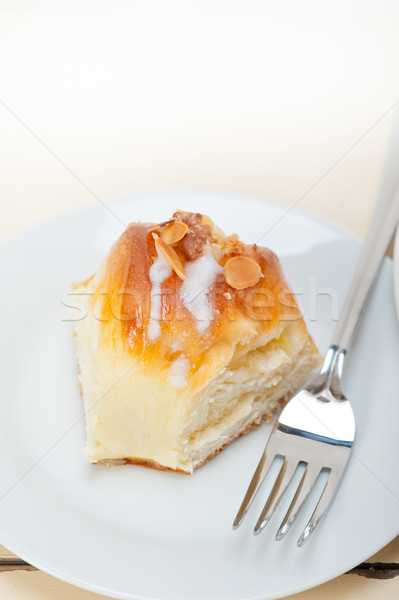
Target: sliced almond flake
<point x="173" y="232"/>
<point x="242" y="272"/>
<point x="160" y="225"/>
<point x="217" y="251"/>
<point x="171" y="256"/>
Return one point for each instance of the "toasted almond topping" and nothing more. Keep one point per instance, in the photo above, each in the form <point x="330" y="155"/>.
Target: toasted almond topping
<point x="194" y="243"/>
<point x="233" y="238"/>
<point x="171" y="255"/>
<point x="173" y="232"/>
<point x="217" y="251"/>
<point x="242" y="272"/>
<point x="234" y="249"/>
<point x="227" y="295"/>
<point x="160" y="225"/>
<point x="233" y="245"/>
<point x="205" y="220"/>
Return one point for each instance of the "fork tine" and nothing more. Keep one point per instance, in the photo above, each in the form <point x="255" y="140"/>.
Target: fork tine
<point x="280" y="485"/>
<point x="308" y="480"/>
<point x="322" y="505"/>
<point x="256" y="481"/>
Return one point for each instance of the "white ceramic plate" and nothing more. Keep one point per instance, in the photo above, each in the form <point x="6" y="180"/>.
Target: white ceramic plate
<point x="396" y="270"/>
<point x="130" y="532"/>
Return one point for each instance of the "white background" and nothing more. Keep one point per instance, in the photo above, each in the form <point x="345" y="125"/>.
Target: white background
<point x="290" y="101"/>
<point x="281" y="100"/>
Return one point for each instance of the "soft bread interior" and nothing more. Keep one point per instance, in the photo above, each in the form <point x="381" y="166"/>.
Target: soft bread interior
<point x="248" y="390"/>
<point x="174" y="399"/>
<point x="259" y="376"/>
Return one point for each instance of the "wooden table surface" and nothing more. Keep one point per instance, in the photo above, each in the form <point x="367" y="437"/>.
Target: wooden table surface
<point x="99" y="101"/>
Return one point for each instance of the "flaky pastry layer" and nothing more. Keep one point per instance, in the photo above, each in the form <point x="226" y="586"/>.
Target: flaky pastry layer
<point x="173" y="370"/>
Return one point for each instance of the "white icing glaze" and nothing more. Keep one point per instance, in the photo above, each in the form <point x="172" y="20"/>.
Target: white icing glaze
<point x="178" y="373"/>
<point x="195" y="288"/>
<point x="159" y="272"/>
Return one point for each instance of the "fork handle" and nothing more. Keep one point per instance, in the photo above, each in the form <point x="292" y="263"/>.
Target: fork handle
<point x="375" y="246"/>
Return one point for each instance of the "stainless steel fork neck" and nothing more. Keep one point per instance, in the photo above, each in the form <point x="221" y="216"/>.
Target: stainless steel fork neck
<point x="328" y="382"/>
<point x="380" y="234"/>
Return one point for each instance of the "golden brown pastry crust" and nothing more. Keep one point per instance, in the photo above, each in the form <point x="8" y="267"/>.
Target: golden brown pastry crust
<point x="126" y="374"/>
<point x="126" y="305"/>
<point x="151" y="464"/>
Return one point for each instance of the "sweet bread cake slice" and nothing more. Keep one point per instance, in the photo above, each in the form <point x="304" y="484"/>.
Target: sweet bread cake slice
<point x="189" y="339"/>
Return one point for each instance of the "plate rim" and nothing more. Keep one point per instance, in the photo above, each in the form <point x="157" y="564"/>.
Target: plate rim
<point x="59" y="217"/>
<point x="395" y="261"/>
<point x="254" y="199"/>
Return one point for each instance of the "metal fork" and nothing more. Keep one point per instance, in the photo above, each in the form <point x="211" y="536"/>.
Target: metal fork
<point x="317" y="426"/>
